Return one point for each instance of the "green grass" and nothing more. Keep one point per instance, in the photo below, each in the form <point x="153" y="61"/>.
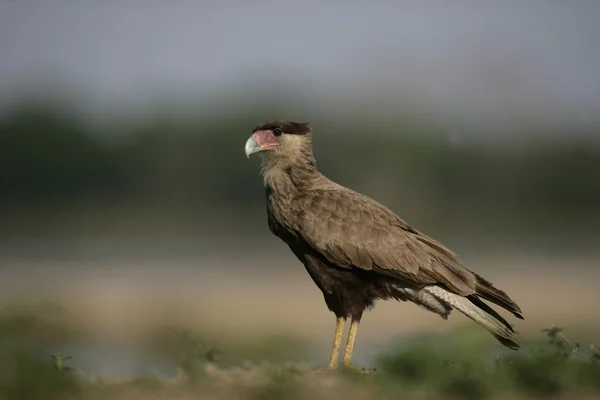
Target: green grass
<point x="465" y="365"/>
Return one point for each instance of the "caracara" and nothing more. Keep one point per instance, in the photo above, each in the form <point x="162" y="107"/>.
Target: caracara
<point x="358" y="251"/>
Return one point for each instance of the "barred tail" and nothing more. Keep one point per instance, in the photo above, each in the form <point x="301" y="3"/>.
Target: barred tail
<point x="478" y="311"/>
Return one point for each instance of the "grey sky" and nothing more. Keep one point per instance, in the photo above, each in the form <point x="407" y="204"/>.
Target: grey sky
<point x="464" y="54"/>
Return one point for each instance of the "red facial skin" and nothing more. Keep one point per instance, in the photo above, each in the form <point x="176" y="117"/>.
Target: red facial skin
<point x="266" y="139"/>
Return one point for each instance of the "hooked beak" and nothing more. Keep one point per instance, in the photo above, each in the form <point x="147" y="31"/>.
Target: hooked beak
<point x="261" y="141"/>
<point x="252" y="146"/>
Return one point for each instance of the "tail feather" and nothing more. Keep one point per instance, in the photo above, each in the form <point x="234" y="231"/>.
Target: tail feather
<point x="480" y="304"/>
<point x="487" y="291"/>
<point x="481" y="313"/>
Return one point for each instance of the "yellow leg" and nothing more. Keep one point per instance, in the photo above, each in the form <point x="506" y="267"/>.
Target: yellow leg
<point x="337" y="341"/>
<point x="351" y="339"/>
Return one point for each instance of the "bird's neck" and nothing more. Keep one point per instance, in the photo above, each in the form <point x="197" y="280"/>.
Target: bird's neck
<point x="284" y="177"/>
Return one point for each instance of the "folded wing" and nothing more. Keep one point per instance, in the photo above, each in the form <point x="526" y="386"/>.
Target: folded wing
<point x="351" y="230"/>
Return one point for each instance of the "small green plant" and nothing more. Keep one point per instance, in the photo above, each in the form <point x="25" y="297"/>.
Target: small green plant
<point x="59" y="363"/>
<point x="560" y="342"/>
<point x="559" y="367"/>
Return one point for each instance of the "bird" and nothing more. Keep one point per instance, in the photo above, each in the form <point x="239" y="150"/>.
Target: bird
<point x="358" y="251"/>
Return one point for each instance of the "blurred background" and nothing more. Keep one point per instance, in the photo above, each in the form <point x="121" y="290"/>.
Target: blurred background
<point x="126" y="198"/>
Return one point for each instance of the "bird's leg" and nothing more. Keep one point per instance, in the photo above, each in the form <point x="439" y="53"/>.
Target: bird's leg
<point x="337" y="341"/>
<point x="351" y="338"/>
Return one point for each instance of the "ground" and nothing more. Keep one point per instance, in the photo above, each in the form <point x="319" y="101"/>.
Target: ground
<point x="180" y="364"/>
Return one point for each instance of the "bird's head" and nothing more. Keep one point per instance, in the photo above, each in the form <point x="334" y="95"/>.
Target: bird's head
<point x="281" y="139"/>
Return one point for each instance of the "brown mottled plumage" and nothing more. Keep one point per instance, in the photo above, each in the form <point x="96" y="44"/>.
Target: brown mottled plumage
<point x="358" y="251"/>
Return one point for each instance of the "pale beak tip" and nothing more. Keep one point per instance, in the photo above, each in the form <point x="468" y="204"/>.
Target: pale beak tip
<point x="251" y="147"/>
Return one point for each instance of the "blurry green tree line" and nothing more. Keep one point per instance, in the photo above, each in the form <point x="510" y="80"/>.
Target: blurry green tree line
<point x="52" y="159"/>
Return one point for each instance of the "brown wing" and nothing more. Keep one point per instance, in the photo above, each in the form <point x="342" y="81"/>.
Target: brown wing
<point x="354" y="231"/>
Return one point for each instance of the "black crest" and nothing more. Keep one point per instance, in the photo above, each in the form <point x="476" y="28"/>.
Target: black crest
<point x="289" y="127"/>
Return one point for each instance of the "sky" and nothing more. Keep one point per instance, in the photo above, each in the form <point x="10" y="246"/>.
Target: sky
<point x="465" y="55"/>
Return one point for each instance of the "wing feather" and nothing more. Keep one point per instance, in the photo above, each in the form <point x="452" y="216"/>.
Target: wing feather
<point x="352" y="230"/>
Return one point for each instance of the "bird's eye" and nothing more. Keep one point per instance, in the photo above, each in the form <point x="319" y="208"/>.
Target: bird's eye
<point x="277" y="132"/>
